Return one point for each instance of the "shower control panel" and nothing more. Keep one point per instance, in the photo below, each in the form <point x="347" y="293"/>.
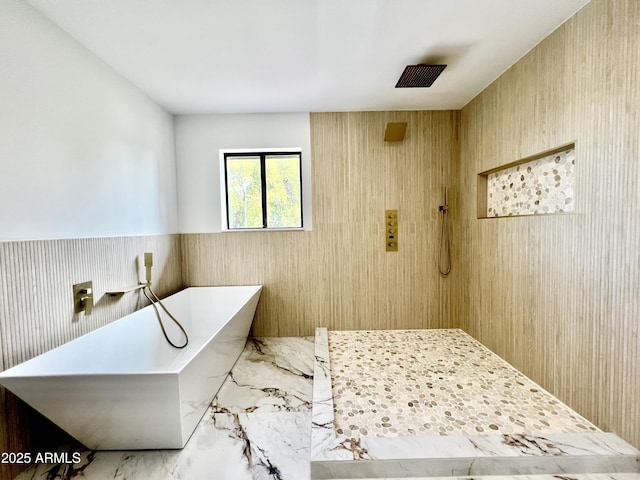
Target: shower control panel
<point x="391" y="229"/>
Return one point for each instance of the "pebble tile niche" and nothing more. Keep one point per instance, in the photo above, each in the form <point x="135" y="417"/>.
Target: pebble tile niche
<point x="540" y="186"/>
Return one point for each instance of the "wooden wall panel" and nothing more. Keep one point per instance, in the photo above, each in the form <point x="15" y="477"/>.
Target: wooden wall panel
<point x="36" y="310"/>
<point x="339" y="275"/>
<point x="558" y="296"/>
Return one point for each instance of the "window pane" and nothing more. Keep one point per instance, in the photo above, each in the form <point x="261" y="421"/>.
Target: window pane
<point x="284" y="201"/>
<point x="244" y="192"/>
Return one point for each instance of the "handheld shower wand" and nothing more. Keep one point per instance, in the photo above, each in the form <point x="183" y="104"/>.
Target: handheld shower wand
<point x="148" y="263"/>
<point x="444" y="258"/>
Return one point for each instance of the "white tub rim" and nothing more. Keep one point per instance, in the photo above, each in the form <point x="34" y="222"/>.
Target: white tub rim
<point x="18" y="371"/>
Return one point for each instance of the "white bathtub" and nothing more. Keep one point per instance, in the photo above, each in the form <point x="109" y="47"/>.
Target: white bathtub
<point x="123" y="387"/>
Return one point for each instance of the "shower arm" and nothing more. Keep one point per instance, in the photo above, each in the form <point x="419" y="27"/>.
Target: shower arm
<point x="445" y="207"/>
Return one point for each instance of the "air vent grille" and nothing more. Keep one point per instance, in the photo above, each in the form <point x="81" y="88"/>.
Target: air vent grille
<point x="419" y="76"/>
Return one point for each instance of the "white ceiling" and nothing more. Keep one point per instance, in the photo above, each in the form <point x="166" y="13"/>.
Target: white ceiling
<point x="223" y="56"/>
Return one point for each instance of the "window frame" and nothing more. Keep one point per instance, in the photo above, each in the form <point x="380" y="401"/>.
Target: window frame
<point x="262" y="153"/>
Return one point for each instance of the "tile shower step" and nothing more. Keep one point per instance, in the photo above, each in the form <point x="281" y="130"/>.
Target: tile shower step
<point x="582" y="476"/>
<point x="579" y="456"/>
<point x="488" y="455"/>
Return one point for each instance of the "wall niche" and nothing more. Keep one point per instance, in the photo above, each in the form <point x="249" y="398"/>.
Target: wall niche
<point x="541" y="184"/>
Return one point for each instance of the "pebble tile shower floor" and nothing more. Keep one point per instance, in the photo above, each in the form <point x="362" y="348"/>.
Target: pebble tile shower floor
<point x="436" y="382"/>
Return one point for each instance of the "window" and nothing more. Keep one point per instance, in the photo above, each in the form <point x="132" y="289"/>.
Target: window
<point x="262" y="189"/>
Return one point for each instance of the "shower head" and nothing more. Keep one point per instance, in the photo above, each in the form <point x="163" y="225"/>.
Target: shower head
<point x="419" y="75"/>
<point x="395" y="131"/>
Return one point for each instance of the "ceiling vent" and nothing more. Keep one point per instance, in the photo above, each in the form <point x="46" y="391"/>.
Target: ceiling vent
<point x="419" y="75"/>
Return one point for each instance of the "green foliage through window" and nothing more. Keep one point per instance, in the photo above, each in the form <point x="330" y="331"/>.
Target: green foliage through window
<point x="263" y="190"/>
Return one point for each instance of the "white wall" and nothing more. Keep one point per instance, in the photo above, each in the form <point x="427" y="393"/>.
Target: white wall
<point x="198" y="141"/>
<point x="82" y="152"/>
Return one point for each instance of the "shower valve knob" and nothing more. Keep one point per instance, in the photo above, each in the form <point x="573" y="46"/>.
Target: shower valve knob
<point x="391" y="230"/>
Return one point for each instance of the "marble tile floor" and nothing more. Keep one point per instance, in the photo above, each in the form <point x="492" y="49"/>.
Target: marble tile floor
<point x="257" y="427"/>
<point x="271" y="420"/>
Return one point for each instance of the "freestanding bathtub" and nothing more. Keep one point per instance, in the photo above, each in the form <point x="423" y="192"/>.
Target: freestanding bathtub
<point x="124" y="387"/>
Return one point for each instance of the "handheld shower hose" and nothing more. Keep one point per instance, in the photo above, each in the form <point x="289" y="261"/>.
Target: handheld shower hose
<point x="444" y="258"/>
<point x="164" y="331"/>
<point x="148" y="263"/>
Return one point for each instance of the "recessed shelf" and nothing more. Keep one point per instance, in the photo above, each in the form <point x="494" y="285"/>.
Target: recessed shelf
<point x="541" y="184"/>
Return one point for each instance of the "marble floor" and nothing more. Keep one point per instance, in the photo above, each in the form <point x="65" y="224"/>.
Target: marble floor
<point x="258" y="427"/>
<point x="273" y="418"/>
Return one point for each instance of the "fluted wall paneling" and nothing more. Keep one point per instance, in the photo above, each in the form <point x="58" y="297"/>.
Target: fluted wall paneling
<point x="38" y="315"/>
<point x="557" y="296"/>
<point x="339" y="274"/>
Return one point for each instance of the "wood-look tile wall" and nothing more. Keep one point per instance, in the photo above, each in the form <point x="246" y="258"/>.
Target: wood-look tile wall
<point x="339" y="275"/>
<point x="36" y="309"/>
<point x="559" y="296"/>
